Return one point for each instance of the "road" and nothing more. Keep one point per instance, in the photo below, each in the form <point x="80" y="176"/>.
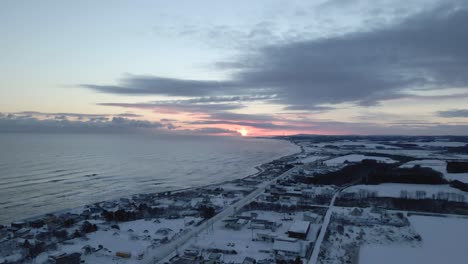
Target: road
<point x="323" y="230"/>
<point x="326" y="221"/>
<point x="162" y="252"/>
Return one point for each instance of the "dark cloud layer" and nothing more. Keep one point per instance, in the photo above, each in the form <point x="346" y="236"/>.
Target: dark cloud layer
<point x="138" y="85"/>
<point x="426" y="51"/>
<point x="18" y="123"/>
<point x="61" y="115"/>
<point x="213" y="131"/>
<point x="454" y="113"/>
<point x="175" y="107"/>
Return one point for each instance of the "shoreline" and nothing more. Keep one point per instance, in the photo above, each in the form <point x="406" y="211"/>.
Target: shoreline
<point x="172" y="191"/>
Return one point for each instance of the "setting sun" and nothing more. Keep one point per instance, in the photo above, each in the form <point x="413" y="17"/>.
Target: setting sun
<point x="244" y="132"/>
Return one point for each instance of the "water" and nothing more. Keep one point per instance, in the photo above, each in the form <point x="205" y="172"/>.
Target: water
<point x="41" y="173"/>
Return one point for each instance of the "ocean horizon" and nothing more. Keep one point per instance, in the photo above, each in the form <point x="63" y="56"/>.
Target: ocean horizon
<point x="42" y="173"/>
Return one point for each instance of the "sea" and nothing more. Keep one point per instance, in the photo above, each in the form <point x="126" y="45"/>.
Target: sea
<point x="43" y="173"/>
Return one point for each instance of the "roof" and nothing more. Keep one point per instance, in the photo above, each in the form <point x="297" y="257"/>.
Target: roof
<point x="299" y="227"/>
<point x="287" y="246"/>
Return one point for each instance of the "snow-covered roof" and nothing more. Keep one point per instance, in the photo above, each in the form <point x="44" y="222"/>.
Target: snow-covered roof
<point x="287" y="246"/>
<point x="299" y="226"/>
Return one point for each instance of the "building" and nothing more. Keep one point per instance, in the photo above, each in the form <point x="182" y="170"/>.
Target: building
<point x="266" y="237"/>
<point x="287" y="248"/>
<point x="249" y="260"/>
<point x="299" y="229"/>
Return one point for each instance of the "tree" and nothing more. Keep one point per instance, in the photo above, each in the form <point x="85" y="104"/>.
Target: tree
<point x="206" y="211"/>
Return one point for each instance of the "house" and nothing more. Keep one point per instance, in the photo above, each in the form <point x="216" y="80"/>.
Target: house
<point x="266" y="237"/>
<point x="73" y="258"/>
<point x="308" y="193"/>
<point x="312" y="217"/>
<point x="299" y="229"/>
<point x="288" y="248"/>
<point x="213" y="258"/>
<point x="249" y="260"/>
<point x="235" y="223"/>
<point x="263" y="224"/>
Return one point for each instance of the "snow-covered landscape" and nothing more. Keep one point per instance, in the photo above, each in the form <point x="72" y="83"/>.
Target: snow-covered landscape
<point x="234" y="132"/>
<point x="444" y="240"/>
<point x="326" y="204"/>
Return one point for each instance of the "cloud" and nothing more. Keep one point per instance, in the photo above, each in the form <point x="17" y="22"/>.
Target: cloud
<point x="424" y="51"/>
<point x="214" y="131"/>
<point x="79" y="116"/>
<point x="129" y="115"/>
<point x="176" y="107"/>
<point x="453" y="113"/>
<point x="19" y="123"/>
<point x="138" y="85"/>
<point x="221" y="99"/>
<point x="261" y="125"/>
<point x="59" y="114"/>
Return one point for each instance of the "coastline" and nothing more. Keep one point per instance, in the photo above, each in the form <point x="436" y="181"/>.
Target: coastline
<point x="259" y="169"/>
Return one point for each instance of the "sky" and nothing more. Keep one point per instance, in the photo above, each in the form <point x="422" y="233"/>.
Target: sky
<point x="252" y="68"/>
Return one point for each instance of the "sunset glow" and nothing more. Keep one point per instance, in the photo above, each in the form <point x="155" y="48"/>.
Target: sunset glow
<point x="243" y="132"/>
<point x="196" y="68"/>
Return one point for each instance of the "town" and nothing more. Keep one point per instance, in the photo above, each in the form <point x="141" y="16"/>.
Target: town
<point x="340" y="200"/>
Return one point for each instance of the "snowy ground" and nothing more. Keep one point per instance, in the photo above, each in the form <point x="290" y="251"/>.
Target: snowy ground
<point x="444" y="240"/>
<point x="220" y="237"/>
<point x="416" y="153"/>
<point x="312" y="159"/>
<point x="135" y="237"/>
<point x="362" y="144"/>
<point x="343" y="246"/>
<point x="441" y="144"/>
<point x="395" y="190"/>
<point x="356" y="158"/>
<point x="438" y="165"/>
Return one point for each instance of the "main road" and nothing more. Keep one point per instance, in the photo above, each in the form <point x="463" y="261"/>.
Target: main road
<point x="323" y="230"/>
<point x="326" y="221"/>
<point x="165" y="250"/>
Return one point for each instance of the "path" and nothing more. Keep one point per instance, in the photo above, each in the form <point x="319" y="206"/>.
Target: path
<point x="323" y="230"/>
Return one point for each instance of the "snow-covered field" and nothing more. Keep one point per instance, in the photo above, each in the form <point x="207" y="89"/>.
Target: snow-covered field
<point x="441" y="144"/>
<point x="134" y="237"/>
<point x="444" y="240"/>
<point x="438" y="165"/>
<point x="343" y="240"/>
<point x="312" y="159"/>
<point x="357" y="144"/>
<point x="356" y="158"/>
<point x="220" y="237"/>
<point x="416" y="153"/>
<point x="395" y="190"/>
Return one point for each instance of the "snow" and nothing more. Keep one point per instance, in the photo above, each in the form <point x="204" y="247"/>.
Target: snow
<point x="299" y="227"/>
<point x="218" y="236"/>
<point x="444" y="240"/>
<point x="357" y="158"/>
<point x="312" y="159"/>
<point x="394" y="190"/>
<point x="365" y="229"/>
<point x="135" y="237"/>
<point x="441" y="144"/>
<point x="291" y="246"/>
<point x="416" y="153"/>
<point x="364" y="144"/>
<point x="438" y="165"/>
